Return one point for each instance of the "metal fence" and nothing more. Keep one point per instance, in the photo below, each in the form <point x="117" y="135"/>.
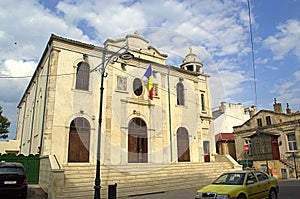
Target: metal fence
<point x="30" y="162"/>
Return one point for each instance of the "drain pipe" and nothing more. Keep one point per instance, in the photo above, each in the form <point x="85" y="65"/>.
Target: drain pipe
<point x="170" y="116"/>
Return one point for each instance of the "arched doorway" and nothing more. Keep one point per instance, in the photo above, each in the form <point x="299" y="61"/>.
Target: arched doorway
<point x="79" y="140"/>
<point x="137" y="141"/>
<point x="183" y="145"/>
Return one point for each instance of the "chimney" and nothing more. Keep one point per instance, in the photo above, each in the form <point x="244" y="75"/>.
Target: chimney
<point x="277" y="107"/>
<point x="252" y="111"/>
<point x="288" y="110"/>
<point x="223" y="107"/>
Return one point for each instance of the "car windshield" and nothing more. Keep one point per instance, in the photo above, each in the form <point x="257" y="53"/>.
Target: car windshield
<point x="230" y="179"/>
<point x="11" y="170"/>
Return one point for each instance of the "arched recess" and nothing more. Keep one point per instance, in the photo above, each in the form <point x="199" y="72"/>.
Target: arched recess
<point x="137" y="141"/>
<point x="79" y="140"/>
<point x="180" y="93"/>
<point x="82" y="76"/>
<point x="183" y="145"/>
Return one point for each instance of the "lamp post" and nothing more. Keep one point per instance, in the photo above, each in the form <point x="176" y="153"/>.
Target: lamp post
<point x="125" y="56"/>
<point x="267" y="164"/>
<point x="266" y="152"/>
<point x="295" y="165"/>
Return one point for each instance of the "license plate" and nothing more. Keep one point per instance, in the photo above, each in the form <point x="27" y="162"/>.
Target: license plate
<point x="10" y="182"/>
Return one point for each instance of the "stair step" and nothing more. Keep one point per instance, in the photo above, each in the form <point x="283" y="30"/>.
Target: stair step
<point x="135" y="179"/>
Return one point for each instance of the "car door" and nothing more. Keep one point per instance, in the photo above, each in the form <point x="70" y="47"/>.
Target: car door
<point x="252" y="186"/>
<point x="263" y="184"/>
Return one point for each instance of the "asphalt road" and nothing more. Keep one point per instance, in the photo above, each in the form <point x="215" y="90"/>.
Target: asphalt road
<point x="289" y="189"/>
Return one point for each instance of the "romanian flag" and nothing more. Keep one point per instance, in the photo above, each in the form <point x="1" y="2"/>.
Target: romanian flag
<point x="148" y="74"/>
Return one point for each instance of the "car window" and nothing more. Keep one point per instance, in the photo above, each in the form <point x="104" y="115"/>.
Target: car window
<point x="261" y="176"/>
<point x="251" y="178"/>
<point x="221" y="179"/>
<point x="11" y="170"/>
<point x="230" y="179"/>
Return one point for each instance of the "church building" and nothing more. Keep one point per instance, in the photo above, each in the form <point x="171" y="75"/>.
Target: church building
<point x="145" y="111"/>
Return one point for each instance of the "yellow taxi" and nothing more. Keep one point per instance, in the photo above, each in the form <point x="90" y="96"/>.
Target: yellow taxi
<point x="246" y="184"/>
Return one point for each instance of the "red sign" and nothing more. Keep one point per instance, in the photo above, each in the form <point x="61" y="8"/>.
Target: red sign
<point x="246" y="148"/>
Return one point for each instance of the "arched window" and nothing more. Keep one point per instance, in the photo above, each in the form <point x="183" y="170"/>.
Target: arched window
<point x="79" y="140"/>
<point x="83" y="76"/>
<point x="180" y="93"/>
<point x="202" y="102"/>
<point x="137" y="141"/>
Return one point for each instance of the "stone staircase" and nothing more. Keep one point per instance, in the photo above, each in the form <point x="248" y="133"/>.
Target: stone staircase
<point x="140" y="179"/>
<point x="291" y="165"/>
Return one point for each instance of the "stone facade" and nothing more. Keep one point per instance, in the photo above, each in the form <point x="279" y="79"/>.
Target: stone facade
<point x="56" y="100"/>
<point x="9" y="147"/>
<point x="270" y="136"/>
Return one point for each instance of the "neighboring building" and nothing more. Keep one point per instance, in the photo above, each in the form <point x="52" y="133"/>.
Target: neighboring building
<point x="58" y="114"/>
<point x="226" y="117"/>
<point x="272" y="137"/>
<point x="225" y="144"/>
<point x="9" y="147"/>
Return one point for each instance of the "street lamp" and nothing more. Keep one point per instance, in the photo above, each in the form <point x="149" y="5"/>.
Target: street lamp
<point x="295" y="165"/>
<point x="126" y="56"/>
<point x="266" y="145"/>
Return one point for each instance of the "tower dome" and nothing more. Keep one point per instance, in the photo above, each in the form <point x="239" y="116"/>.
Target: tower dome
<point x="192" y="63"/>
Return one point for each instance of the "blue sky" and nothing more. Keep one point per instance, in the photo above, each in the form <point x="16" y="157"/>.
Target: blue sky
<point x="217" y="30"/>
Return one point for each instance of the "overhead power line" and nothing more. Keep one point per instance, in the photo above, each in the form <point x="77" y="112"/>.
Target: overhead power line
<point x="252" y="50"/>
<point x="24" y="77"/>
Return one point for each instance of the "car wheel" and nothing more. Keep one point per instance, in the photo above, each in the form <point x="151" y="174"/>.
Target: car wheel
<point x="241" y="196"/>
<point x="272" y="194"/>
<point x="23" y="195"/>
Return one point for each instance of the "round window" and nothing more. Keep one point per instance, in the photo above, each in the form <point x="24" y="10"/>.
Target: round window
<point x="137" y="86"/>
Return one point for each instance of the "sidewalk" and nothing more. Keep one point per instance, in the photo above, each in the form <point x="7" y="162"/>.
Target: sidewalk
<point x="35" y="192"/>
<point x="177" y="194"/>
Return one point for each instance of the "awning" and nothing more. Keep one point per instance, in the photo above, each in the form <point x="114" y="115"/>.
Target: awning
<point x="246" y="162"/>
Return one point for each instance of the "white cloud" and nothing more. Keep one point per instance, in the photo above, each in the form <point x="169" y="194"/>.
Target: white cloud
<point x="232" y="81"/>
<point x="20" y="68"/>
<point x="26" y="26"/>
<point x="285" y="41"/>
<point x="273" y="68"/>
<point x="286" y="91"/>
<point x="297" y="75"/>
<point x="15" y="76"/>
<point x="221" y="27"/>
<point x="108" y="18"/>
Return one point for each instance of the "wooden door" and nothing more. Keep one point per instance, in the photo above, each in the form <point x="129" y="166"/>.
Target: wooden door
<point x="275" y="148"/>
<point x="183" y="145"/>
<point x="137" y="141"/>
<point x="79" y="141"/>
<point x="206" y="150"/>
<point x="132" y="149"/>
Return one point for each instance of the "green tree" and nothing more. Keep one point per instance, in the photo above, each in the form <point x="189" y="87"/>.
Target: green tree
<point x="4" y="125"/>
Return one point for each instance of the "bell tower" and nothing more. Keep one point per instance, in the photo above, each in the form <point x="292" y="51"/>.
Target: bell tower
<point x="192" y="63"/>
